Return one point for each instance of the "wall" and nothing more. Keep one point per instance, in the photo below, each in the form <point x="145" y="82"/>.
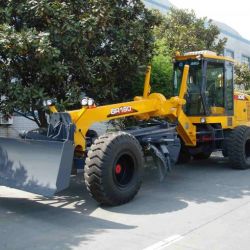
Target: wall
<point x="19" y="124"/>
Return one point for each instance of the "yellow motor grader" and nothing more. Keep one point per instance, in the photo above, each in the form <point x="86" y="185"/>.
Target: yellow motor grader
<point x="203" y="115"/>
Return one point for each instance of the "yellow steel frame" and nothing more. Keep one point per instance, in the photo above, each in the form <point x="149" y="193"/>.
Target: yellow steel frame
<point x="143" y="107"/>
<point x="156" y="105"/>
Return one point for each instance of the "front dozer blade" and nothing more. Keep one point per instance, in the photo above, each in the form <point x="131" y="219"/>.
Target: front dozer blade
<point x="37" y="166"/>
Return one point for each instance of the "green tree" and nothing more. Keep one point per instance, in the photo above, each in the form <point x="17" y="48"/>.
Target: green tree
<point x="59" y="49"/>
<point x="242" y="76"/>
<point x="162" y="71"/>
<point x="181" y="30"/>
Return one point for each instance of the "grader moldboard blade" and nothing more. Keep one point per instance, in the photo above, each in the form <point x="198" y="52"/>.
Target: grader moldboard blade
<point x="37" y="166"/>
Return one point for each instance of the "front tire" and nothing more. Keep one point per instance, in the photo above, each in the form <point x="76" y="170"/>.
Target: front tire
<point x="239" y="147"/>
<point x="113" y="170"/>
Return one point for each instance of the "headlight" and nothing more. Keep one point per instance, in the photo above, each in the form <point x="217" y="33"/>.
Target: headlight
<point x="203" y="120"/>
<point x="91" y="102"/>
<point x="84" y="101"/>
<point x="48" y="102"/>
<point x="87" y="101"/>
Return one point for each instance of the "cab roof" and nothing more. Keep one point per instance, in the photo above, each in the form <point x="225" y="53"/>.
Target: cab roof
<point x="202" y="54"/>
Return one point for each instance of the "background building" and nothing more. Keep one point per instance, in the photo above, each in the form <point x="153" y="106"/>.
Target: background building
<point x="237" y="47"/>
<point x="15" y="125"/>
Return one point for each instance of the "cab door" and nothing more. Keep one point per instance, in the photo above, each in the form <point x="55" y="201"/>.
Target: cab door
<point x="215" y="88"/>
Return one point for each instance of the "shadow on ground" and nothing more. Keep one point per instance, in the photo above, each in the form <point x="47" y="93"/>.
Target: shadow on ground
<point x="212" y="180"/>
<point x="26" y="224"/>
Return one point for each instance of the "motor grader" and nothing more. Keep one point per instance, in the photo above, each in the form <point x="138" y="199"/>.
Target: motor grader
<point x="203" y="115"/>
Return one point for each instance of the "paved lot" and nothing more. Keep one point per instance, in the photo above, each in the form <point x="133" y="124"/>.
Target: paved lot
<point x="201" y="205"/>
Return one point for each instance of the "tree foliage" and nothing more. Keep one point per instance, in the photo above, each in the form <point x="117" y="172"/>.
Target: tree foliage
<point x="242" y="76"/>
<point x="59" y="49"/>
<point x="162" y="70"/>
<point x="181" y="30"/>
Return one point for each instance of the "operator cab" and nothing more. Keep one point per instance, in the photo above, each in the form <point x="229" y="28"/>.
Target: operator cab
<point x="210" y="83"/>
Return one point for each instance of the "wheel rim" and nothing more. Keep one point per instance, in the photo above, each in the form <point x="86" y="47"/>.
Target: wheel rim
<point x="247" y="149"/>
<point x="124" y="169"/>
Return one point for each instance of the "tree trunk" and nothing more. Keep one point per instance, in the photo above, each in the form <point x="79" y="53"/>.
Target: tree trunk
<point x="42" y="118"/>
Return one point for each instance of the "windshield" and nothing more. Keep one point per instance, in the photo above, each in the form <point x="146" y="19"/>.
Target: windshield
<point x="194" y="104"/>
<point x="194" y="77"/>
<point x="204" y="92"/>
<point x="214" y="84"/>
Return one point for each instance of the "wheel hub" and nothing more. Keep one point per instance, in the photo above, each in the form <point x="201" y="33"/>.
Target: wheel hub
<point x="124" y="169"/>
<point x="118" y="168"/>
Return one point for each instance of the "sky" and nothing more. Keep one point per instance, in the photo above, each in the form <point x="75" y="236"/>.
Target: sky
<point x="234" y="13"/>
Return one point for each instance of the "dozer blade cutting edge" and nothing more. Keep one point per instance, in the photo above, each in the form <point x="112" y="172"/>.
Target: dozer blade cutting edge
<point x="37" y="166"/>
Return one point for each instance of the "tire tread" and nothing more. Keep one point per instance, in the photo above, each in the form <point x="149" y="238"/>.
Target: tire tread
<point x="235" y="152"/>
<point x="93" y="172"/>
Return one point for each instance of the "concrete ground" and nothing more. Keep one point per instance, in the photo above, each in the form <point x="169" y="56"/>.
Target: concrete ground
<point x="201" y="205"/>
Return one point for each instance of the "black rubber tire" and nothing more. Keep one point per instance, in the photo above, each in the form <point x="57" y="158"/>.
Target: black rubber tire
<point x="202" y="155"/>
<point x="225" y="147"/>
<point x="102" y="181"/>
<point x="224" y="152"/>
<point x="239" y="147"/>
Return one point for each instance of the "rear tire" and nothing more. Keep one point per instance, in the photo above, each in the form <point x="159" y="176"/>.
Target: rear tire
<point x="225" y="147"/>
<point x="113" y="170"/>
<point x="224" y="152"/>
<point x="239" y="147"/>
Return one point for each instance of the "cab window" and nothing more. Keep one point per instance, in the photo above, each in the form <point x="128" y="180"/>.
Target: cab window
<point x="215" y="88"/>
